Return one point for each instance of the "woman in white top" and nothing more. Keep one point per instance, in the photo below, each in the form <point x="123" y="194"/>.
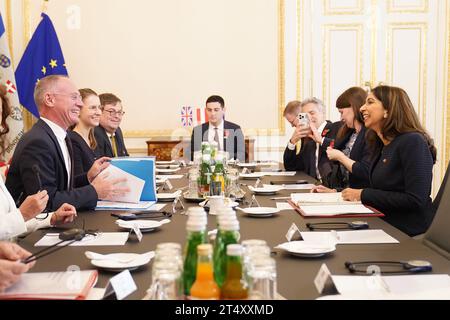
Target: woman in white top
<point x="27" y="218"/>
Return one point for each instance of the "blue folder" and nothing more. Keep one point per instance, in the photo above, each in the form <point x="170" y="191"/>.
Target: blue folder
<point x="143" y="168"/>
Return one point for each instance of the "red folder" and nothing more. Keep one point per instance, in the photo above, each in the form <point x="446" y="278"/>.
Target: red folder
<point x="349" y="215"/>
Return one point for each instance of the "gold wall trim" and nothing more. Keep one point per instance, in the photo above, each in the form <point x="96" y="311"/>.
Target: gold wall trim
<point x="326" y="54"/>
<point x="373" y="42"/>
<point x="447" y="52"/>
<point x="269" y="149"/>
<point x="300" y="67"/>
<point x="422" y="87"/>
<point x="28" y="118"/>
<point x="9" y="29"/>
<point x="328" y="11"/>
<point x="423" y="8"/>
<point x="281" y="65"/>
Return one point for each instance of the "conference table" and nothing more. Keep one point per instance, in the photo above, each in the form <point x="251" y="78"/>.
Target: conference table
<point x="295" y="275"/>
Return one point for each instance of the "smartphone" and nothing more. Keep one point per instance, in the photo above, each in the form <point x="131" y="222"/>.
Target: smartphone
<point x="303" y="119"/>
<point x="289" y="182"/>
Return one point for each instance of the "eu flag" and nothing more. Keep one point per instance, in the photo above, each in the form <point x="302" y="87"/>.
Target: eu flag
<point x="42" y="57"/>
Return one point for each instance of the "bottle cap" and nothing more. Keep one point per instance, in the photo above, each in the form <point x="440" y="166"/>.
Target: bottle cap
<point x="229" y="225"/>
<point x="234" y="250"/>
<point x="204" y="249"/>
<point x="196" y="225"/>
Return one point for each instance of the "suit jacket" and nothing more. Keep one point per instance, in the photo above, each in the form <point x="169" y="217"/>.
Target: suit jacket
<point x="400" y="179"/>
<point x="83" y="155"/>
<point x="233" y="140"/>
<point x="39" y="146"/>
<point x="104" y="147"/>
<point x="363" y="155"/>
<point x="306" y="159"/>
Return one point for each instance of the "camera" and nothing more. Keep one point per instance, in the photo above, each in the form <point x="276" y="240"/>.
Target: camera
<point x="303" y="119"/>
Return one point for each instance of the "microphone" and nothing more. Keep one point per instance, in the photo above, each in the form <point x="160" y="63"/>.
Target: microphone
<point x="70" y="235"/>
<point x="37" y="172"/>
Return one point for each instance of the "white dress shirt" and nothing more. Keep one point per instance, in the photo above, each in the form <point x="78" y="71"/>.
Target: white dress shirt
<point x="12" y="223"/>
<point x="61" y="134"/>
<point x="220" y="132"/>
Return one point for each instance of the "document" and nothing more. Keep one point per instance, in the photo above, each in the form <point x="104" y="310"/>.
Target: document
<point x="133" y="183"/>
<point x="306" y="186"/>
<point x="73" y="285"/>
<point x="333" y="210"/>
<point x="143" y="168"/>
<point x="112" y="205"/>
<point x="433" y="286"/>
<point x="279" y="174"/>
<point x="376" y="236"/>
<point x="101" y="239"/>
<point x="320" y="198"/>
<point x="284" y="206"/>
<point x="169" y="176"/>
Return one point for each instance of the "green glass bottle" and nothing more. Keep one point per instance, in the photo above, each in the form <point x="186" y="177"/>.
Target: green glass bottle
<point x="228" y="233"/>
<point x="234" y="286"/>
<point x="196" y="229"/>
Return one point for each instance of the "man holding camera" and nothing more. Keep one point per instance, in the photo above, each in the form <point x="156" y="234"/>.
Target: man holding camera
<point x="306" y="150"/>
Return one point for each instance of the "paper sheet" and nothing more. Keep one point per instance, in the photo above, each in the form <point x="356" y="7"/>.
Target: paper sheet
<point x="101" y="239"/>
<point x="284" y="206"/>
<point x="279" y="174"/>
<point x="132" y="182"/>
<point x="406" y="286"/>
<point x="169" y="176"/>
<point x="331" y="210"/>
<point x="306" y="186"/>
<point x="321" y="198"/>
<point x="112" y="205"/>
<point x="375" y="236"/>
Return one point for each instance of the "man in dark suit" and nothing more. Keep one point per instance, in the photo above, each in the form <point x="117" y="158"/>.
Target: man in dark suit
<point x="306" y="150"/>
<point x="43" y="157"/>
<point x="227" y="134"/>
<point x="109" y="137"/>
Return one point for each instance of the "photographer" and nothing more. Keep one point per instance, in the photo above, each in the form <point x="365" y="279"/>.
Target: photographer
<point x="306" y="150"/>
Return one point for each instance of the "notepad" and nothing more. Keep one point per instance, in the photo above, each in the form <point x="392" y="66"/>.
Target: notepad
<point x="113" y="205"/>
<point x="375" y="236"/>
<point x="68" y="285"/>
<point x="320" y="198"/>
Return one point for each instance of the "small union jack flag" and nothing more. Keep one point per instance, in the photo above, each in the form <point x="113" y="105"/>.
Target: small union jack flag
<point x="186" y="116"/>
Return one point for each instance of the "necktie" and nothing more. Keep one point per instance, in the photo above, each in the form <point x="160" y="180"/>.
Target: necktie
<point x="69" y="148"/>
<point x="216" y="137"/>
<point x="114" y="145"/>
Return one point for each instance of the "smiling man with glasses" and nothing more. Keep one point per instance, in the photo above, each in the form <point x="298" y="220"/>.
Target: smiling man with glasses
<point x="109" y="137"/>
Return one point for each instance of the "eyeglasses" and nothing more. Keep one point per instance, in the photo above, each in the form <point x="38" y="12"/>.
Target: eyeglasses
<point x="113" y="113"/>
<point x="370" y="267"/>
<point x="354" y="225"/>
<point x="73" y="96"/>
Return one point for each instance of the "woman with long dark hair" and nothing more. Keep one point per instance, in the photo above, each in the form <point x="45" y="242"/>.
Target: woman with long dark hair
<point x="401" y="173"/>
<point x="351" y="154"/>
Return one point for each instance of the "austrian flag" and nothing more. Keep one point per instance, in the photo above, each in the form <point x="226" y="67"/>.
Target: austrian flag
<point x="10" y="87"/>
